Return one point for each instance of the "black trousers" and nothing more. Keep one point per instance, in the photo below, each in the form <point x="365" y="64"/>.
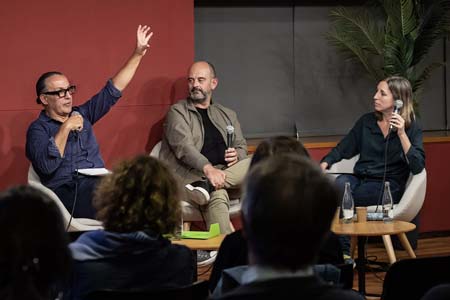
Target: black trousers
<point x="77" y="196"/>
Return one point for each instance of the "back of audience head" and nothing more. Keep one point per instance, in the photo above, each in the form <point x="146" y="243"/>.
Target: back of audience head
<point x="140" y="194"/>
<point x="34" y="257"/>
<point x="287" y="210"/>
<point x="277" y="146"/>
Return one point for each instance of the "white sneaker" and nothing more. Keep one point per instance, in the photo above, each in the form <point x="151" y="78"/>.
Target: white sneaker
<point x="205" y="258"/>
<point x="203" y="189"/>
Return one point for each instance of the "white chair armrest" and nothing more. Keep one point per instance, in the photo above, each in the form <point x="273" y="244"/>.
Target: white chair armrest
<point x="76" y="224"/>
<point x="344" y="166"/>
<point x="413" y="198"/>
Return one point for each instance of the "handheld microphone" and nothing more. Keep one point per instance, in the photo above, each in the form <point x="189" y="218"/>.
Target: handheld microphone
<point x="230" y="133"/>
<point x="76" y="113"/>
<point x="398" y="104"/>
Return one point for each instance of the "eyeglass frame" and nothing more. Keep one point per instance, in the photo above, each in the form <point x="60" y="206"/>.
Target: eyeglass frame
<point x="63" y="92"/>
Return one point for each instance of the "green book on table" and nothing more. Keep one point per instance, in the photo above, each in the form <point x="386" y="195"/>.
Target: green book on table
<point x="214" y="230"/>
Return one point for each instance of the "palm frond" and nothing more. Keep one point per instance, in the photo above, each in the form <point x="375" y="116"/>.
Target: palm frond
<point x="417" y="81"/>
<point x="410" y="29"/>
<point x="351" y="50"/>
<point x="408" y="17"/>
<point x="398" y="55"/>
<point x="392" y="10"/>
<point x="360" y="26"/>
<point x="435" y="25"/>
<point x="401" y="17"/>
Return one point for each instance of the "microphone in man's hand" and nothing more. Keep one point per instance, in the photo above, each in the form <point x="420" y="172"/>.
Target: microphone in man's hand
<point x="76" y="113"/>
<point x="398" y="104"/>
<point x="230" y="133"/>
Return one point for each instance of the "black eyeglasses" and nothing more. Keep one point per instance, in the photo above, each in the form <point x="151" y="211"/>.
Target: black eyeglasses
<point x="62" y="93"/>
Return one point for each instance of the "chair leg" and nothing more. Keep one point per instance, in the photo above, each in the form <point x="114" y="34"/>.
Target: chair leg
<point x="406" y="245"/>
<point x="389" y="248"/>
<point x="186" y="226"/>
<point x="232" y="227"/>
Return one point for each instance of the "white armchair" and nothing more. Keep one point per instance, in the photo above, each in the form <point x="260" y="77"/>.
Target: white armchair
<point x="190" y="212"/>
<point x="412" y="199"/>
<point x="76" y="224"/>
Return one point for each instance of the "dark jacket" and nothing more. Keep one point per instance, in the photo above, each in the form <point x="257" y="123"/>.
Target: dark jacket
<point x="234" y="252"/>
<point x="367" y="140"/>
<point x="290" y="288"/>
<point x="184" y="136"/>
<point x="139" y="260"/>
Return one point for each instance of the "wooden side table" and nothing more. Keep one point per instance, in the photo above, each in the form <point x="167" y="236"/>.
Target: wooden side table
<point x="375" y="228"/>
<point x="193" y="244"/>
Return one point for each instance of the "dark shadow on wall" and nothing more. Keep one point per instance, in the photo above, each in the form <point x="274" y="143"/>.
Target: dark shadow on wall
<point x="178" y="91"/>
<point x="14" y="164"/>
<point x="154" y="135"/>
<point x="15" y="167"/>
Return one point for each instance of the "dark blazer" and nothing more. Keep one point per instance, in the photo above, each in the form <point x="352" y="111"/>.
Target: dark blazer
<point x="309" y="288"/>
<point x="233" y="252"/>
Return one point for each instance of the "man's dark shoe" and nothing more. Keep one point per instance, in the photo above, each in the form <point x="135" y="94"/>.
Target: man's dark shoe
<point x="201" y="190"/>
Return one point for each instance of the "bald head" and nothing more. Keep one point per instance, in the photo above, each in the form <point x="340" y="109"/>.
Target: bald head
<point x="204" y="65"/>
<point x="202" y="81"/>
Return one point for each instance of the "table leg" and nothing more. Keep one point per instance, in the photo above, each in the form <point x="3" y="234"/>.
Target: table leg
<point x="361" y="264"/>
<point x="353" y="246"/>
<point x="389" y="248"/>
<point x="406" y="245"/>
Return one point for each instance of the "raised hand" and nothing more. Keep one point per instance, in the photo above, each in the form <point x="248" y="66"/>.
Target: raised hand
<point x="126" y="73"/>
<point x="143" y="36"/>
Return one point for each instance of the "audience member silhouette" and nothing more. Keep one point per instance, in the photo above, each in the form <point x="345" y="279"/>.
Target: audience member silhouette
<point x="34" y="258"/>
<point x="138" y="203"/>
<point x="233" y="250"/>
<point x="287" y="210"/>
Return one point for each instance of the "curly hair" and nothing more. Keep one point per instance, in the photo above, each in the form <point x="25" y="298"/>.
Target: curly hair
<point x="140" y="194"/>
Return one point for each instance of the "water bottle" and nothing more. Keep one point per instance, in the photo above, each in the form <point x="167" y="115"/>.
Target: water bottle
<point x="388" y="204"/>
<point x="348" y="205"/>
<point x="179" y="229"/>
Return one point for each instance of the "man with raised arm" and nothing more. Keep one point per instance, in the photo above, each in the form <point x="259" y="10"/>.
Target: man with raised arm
<point x="61" y="140"/>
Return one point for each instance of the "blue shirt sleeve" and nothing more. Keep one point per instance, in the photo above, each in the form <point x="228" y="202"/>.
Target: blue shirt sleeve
<point x="101" y="103"/>
<point x="41" y="150"/>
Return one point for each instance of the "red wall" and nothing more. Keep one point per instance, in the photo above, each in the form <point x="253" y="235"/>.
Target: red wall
<point x="434" y="215"/>
<point x="89" y="40"/>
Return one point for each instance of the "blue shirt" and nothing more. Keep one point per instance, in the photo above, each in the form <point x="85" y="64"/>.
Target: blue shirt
<point x="81" y="151"/>
<point x="367" y="140"/>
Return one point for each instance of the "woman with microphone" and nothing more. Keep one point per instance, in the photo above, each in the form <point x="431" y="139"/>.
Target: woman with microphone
<point x="388" y="141"/>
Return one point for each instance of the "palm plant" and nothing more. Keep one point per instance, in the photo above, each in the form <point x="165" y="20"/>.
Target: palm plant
<point x="392" y="37"/>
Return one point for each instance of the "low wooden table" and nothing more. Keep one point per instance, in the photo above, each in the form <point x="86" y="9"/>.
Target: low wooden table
<point x="193" y="244"/>
<point x="375" y="228"/>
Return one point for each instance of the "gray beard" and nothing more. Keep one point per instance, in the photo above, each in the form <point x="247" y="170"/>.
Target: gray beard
<point x="198" y="99"/>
